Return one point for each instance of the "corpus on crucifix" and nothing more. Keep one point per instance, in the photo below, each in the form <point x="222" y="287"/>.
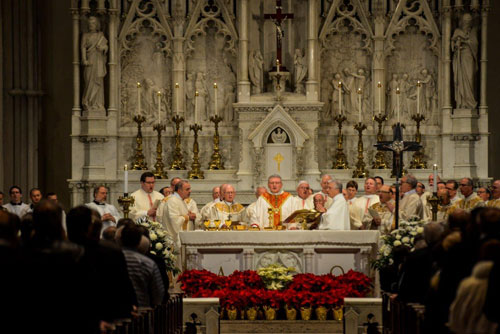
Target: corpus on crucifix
<point x="278" y="18"/>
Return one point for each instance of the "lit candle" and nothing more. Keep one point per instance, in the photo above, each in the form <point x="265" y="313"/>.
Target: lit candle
<point x="359" y="102"/>
<point x="397" y="102"/>
<point x="125" y="180"/>
<point x="340" y="98"/>
<point x="215" y="97"/>
<point x="177" y="98"/>
<point x="435" y="181"/>
<point x="159" y="107"/>
<point x="196" y="107"/>
<point x="138" y="98"/>
<point x="418" y="97"/>
<point x="379" y="85"/>
<point x="278" y="66"/>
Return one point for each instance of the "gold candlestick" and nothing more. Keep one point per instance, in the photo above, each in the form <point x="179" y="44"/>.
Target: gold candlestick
<point x="418" y="160"/>
<point x="178" y="162"/>
<point x="434" y="202"/>
<point x="139" y="159"/>
<point x="340" y="158"/>
<point x="159" y="171"/>
<point x="380" y="162"/>
<point x="360" y="171"/>
<point x="195" y="172"/>
<point x="216" y="162"/>
<point x="126" y="202"/>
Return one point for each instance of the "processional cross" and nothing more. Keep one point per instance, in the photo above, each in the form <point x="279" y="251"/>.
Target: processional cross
<point x="278" y="18"/>
<point x="397" y="146"/>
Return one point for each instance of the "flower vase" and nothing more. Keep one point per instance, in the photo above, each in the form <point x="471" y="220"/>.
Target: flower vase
<point x="305" y="313"/>
<point x="321" y="313"/>
<point x="232" y="313"/>
<point x="338" y="313"/>
<point x="251" y="313"/>
<point x="291" y="313"/>
<point x="270" y="312"/>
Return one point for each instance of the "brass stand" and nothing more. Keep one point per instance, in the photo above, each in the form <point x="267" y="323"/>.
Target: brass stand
<point x="360" y="171"/>
<point x="195" y="172"/>
<point x="139" y="160"/>
<point x="178" y="162"/>
<point x="404" y="171"/>
<point x="380" y="162"/>
<point x="159" y="171"/>
<point x="418" y="160"/>
<point x="126" y="202"/>
<point x="434" y="201"/>
<point x="216" y="161"/>
<point x="340" y="158"/>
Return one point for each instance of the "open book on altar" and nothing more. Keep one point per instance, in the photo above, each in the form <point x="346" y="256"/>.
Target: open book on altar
<point x="307" y="218"/>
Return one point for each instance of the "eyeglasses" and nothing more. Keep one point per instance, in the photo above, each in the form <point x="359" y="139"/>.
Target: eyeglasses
<point x="384" y="192"/>
<point x="465" y="185"/>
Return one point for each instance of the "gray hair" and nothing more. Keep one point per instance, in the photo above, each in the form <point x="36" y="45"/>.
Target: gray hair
<point x="337" y="184"/>
<point x="96" y="189"/>
<point x="274" y="176"/>
<point x="432" y="233"/>
<point x="411" y="180"/>
<point x="179" y="185"/>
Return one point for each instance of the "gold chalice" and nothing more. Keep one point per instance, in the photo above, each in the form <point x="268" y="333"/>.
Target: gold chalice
<point x="206" y="223"/>
<point x="217" y="223"/>
<point x="228" y="223"/>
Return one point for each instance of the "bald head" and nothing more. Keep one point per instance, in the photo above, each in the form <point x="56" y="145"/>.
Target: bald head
<point x="319" y="200"/>
<point x="174" y="181"/>
<point x="495" y="189"/>
<point x="431" y="179"/>
<point x="303" y="190"/>
<point x="324" y="182"/>
<point x="215" y="192"/>
<point x="222" y="189"/>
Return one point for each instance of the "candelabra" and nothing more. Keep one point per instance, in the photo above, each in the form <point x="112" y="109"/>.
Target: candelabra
<point x="126" y="202"/>
<point x="196" y="172"/>
<point x="178" y="162"/>
<point x="159" y="171"/>
<point x="360" y="171"/>
<point x="216" y="161"/>
<point x="139" y="160"/>
<point x="340" y="158"/>
<point x="418" y="160"/>
<point x="380" y="162"/>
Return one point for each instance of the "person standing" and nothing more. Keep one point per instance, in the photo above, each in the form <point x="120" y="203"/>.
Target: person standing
<point x="145" y="198"/>
<point x="16" y="205"/>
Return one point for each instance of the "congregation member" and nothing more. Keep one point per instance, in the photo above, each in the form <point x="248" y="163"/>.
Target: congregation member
<point x="281" y="202"/>
<point x="35" y="197"/>
<point x="471" y="200"/>
<point x="410" y="205"/>
<point x="336" y="217"/>
<point x="379" y="180"/>
<point x="303" y="195"/>
<point x="351" y="191"/>
<point x="205" y="211"/>
<point x="484" y="193"/>
<point x="324" y="191"/>
<point x="109" y="213"/>
<point x="146" y="199"/>
<point x="250" y="209"/>
<point x="16" y="205"/>
<point x="382" y="221"/>
<point x="495" y="195"/>
<point x="361" y="204"/>
<point x="452" y="187"/>
<point x="227" y="209"/>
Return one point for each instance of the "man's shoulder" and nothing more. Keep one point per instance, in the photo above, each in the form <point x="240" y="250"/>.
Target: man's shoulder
<point x="189" y="200"/>
<point x="237" y="207"/>
<point x="132" y="254"/>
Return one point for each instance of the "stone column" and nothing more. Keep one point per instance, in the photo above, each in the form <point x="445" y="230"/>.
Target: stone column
<point x="76" y="60"/>
<point x="113" y="61"/>
<point x="191" y="258"/>
<point x="379" y="63"/>
<point x="483" y="108"/>
<point x="243" y="82"/>
<point x="308" y="260"/>
<point x="248" y="259"/>
<point x="178" y="61"/>
<point x="312" y="86"/>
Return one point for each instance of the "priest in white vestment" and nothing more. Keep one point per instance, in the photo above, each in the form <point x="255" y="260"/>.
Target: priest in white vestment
<point x="109" y="213"/>
<point x="16" y="206"/>
<point x="250" y="209"/>
<point x="227" y="209"/>
<point x="361" y="204"/>
<point x="337" y="215"/>
<point x="324" y="191"/>
<point x="281" y="202"/>
<point x="146" y="199"/>
<point x="205" y="210"/>
<point x="303" y="195"/>
<point x="410" y="205"/>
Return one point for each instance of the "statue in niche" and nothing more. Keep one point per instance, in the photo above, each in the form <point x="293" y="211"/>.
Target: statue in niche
<point x="228" y="103"/>
<point x="94" y="47"/>
<point x="335" y="95"/>
<point x="392" y="96"/>
<point x="201" y="87"/>
<point x="352" y="82"/>
<point x="300" y="71"/>
<point x="405" y="89"/>
<point x="326" y="96"/>
<point x="189" y="90"/>
<point x="278" y="136"/>
<point x="464" y="44"/>
<point x="255" y="63"/>
<point x="427" y="92"/>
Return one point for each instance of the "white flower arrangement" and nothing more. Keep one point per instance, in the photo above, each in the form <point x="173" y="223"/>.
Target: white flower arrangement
<point x="276" y="276"/>
<point x="162" y="243"/>
<point x="404" y="236"/>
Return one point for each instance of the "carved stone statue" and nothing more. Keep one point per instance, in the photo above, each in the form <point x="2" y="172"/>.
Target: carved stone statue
<point x="335" y="95"/>
<point x="278" y="136"/>
<point x="405" y="88"/>
<point x="464" y="44"/>
<point x="189" y="89"/>
<point x="94" y="47"/>
<point x="255" y="62"/>
<point x="300" y="71"/>
<point x="392" y="96"/>
<point x="428" y="91"/>
<point x="201" y="87"/>
<point x="228" y="103"/>
<point x="352" y="82"/>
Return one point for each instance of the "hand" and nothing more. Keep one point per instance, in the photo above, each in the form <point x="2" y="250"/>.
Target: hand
<point x="191" y="215"/>
<point x="321" y="208"/>
<point x="108" y="216"/>
<point x="152" y="212"/>
<point x="85" y="63"/>
<point x="390" y="206"/>
<point x="377" y="221"/>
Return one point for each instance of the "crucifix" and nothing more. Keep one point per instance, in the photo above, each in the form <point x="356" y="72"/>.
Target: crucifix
<point x="397" y="146"/>
<point x="278" y="18"/>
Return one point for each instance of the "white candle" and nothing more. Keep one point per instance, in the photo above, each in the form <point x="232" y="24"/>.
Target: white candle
<point x="278" y="66"/>
<point x="379" y="85"/>
<point x="435" y="181"/>
<point x="196" y="107"/>
<point x="177" y="98"/>
<point x="159" y="107"/>
<point x="215" y="97"/>
<point x="397" y="102"/>
<point x="359" y="102"/>
<point x="125" y="179"/>
<point x="340" y="98"/>
<point x="418" y="97"/>
<point x="138" y="98"/>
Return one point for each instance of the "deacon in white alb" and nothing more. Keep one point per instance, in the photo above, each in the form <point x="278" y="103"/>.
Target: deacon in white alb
<point x="324" y="191"/>
<point x="16" y="205"/>
<point x="360" y="206"/>
<point x="145" y="198"/>
<point x="337" y="215"/>
<point x="109" y="213"/>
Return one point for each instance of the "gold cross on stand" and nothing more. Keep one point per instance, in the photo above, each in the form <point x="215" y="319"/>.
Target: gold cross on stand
<point x="279" y="159"/>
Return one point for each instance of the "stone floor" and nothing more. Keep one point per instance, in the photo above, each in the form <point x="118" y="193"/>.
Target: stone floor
<point x="280" y="326"/>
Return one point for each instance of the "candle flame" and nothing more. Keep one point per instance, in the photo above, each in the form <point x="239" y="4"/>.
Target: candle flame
<point x="159" y="93"/>
<point x="125" y="167"/>
<point x="418" y="83"/>
<point x="215" y="85"/>
<point x="196" y="93"/>
<point x="340" y="84"/>
<point x="397" y="90"/>
<point x="138" y="85"/>
<point x="176" y="85"/>
<point x="359" y="90"/>
<point x="379" y="84"/>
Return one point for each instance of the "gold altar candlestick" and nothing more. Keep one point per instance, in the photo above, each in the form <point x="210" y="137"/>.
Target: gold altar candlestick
<point x="159" y="171"/>
<point x="380" y="162"/>
<point x="434" y="202"/>
<point x="195" y="172"/>
<point x="216" y="162"/>
<point x="360" y="171"/>
<point x="340" y="158"/>
<point x="126" y="202"/>
<point x="178" y="162"/>
<point x="139" y="159"/>
<point x="418" y="160"/>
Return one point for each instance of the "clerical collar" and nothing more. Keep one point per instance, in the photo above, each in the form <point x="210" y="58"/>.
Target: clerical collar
<point x="99" y="203"/>
<point x="278" y="193"/>
<point x="20" y="203"/>
<point x="228" y="203"/>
